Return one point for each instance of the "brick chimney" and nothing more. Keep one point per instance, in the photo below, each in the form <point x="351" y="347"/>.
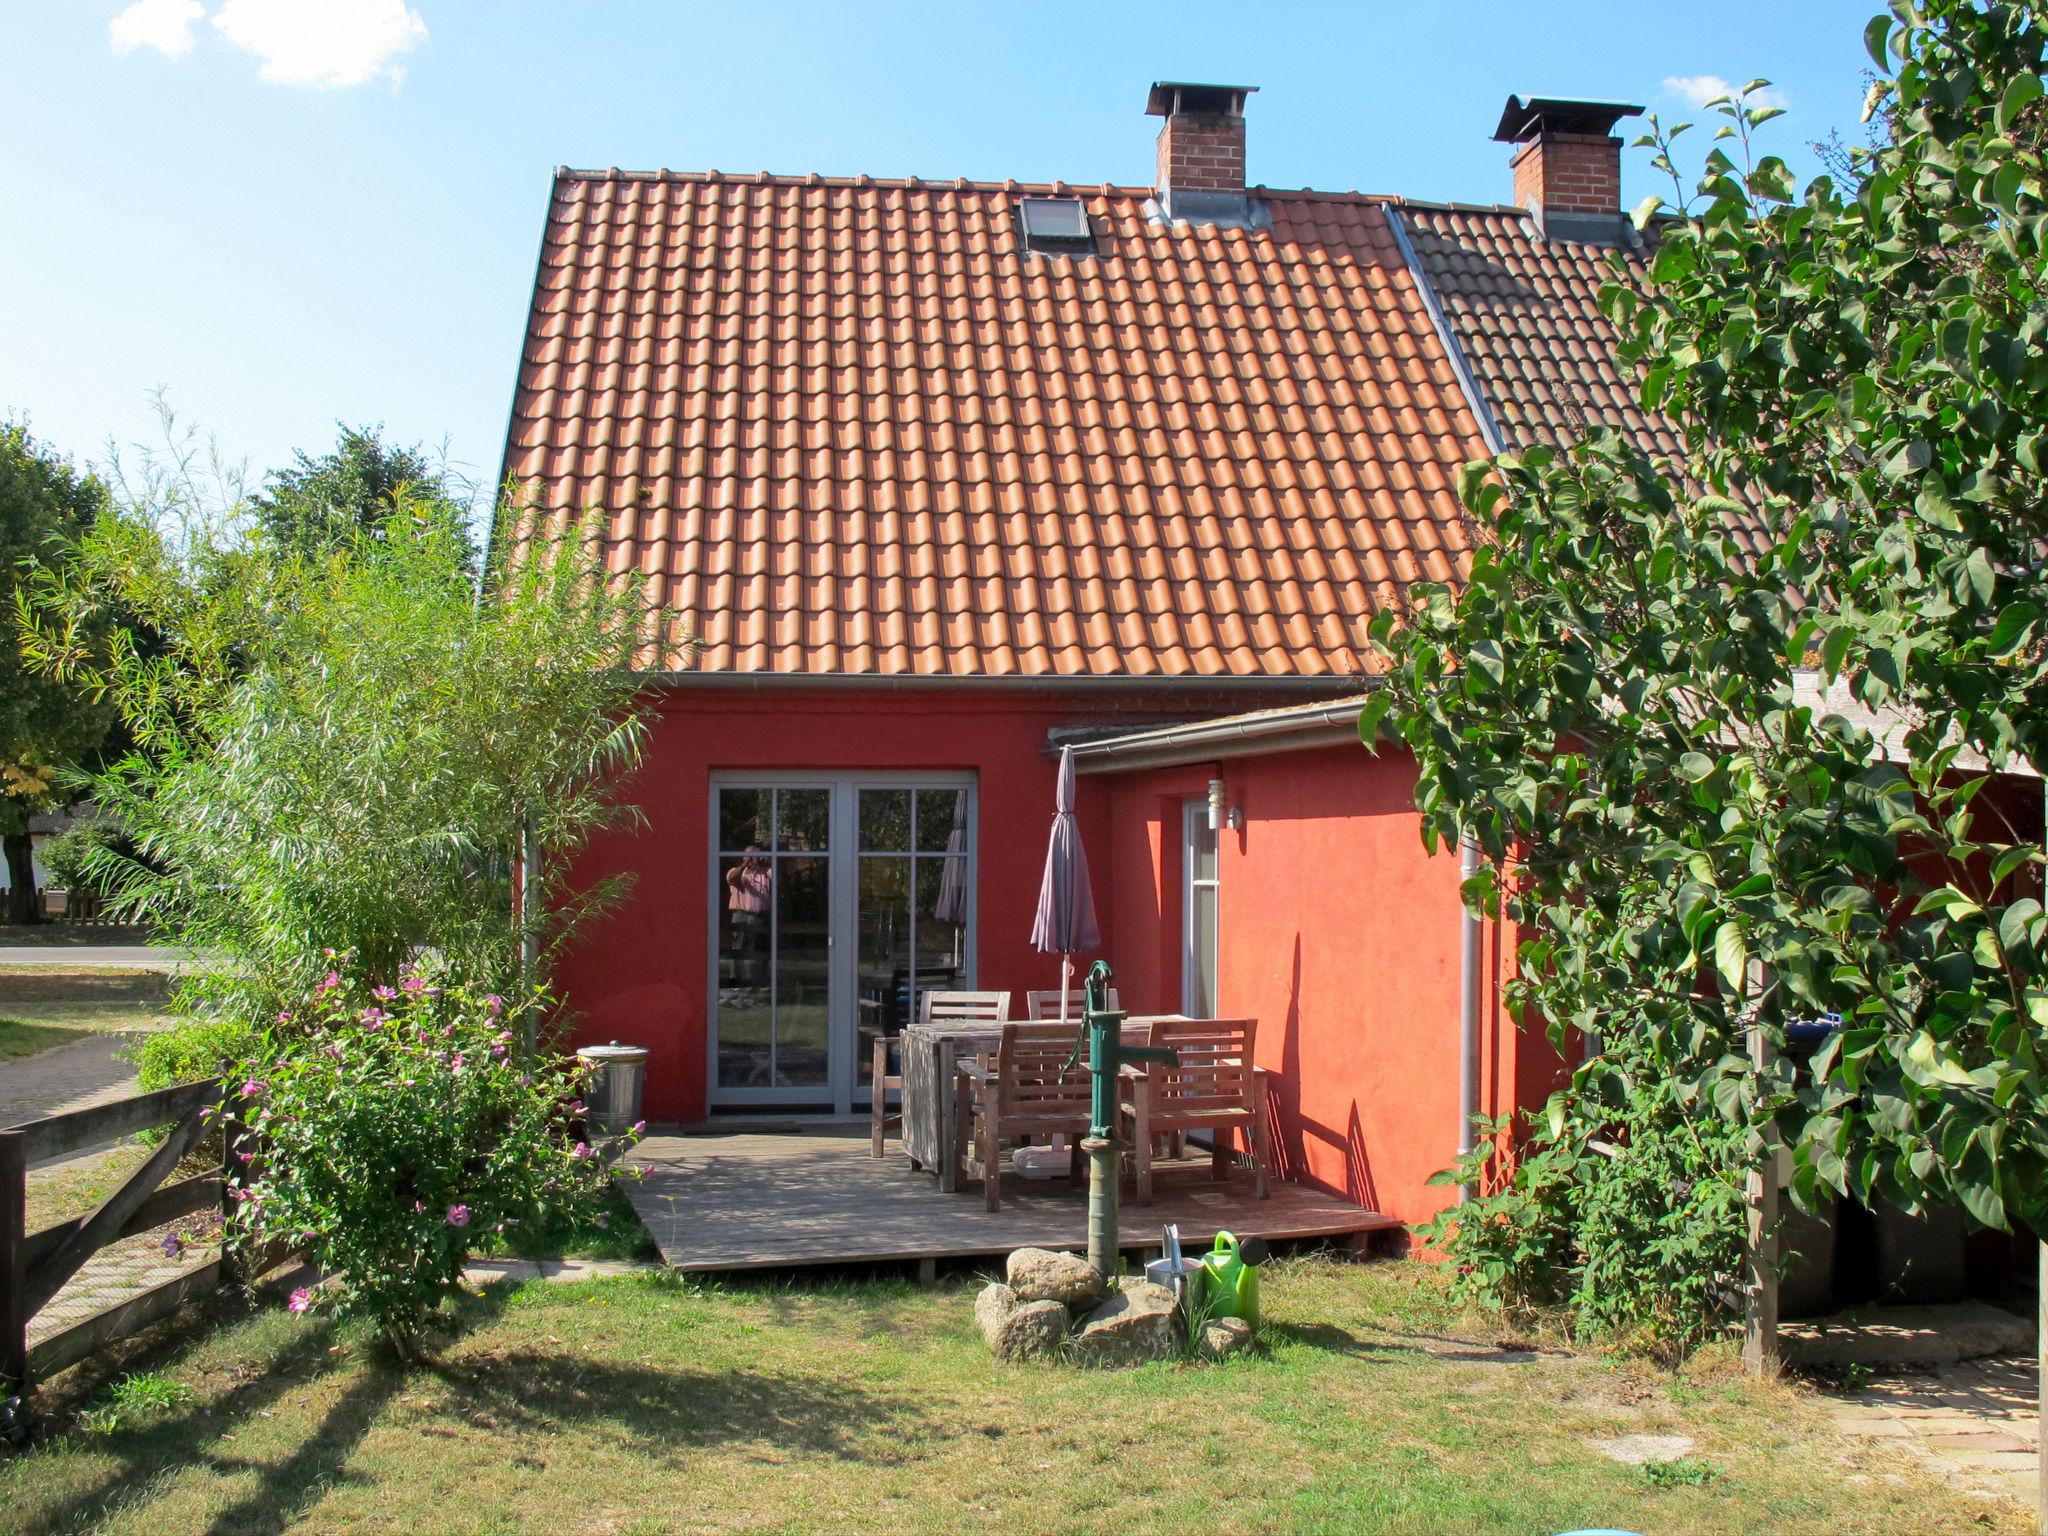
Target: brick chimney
<point x="1567" y="165"/>
<point x="1201" y="150"/>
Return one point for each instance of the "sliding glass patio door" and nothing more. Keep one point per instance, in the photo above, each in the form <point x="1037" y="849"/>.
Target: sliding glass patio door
<point x="836" y="902"/>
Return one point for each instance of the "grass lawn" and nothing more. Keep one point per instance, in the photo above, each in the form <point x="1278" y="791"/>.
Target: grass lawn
<point x="22" y="1037"/>
<point x="644" y="1405"/>
<point x="52" y="997"/>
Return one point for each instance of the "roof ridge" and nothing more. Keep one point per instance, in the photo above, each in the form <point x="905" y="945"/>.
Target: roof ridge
<point x="948" y="184"/>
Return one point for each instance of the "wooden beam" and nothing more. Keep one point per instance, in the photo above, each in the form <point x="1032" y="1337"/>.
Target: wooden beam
<point x="57" y="1351"/>
<point x="47" y="1278"/>
<point x="55" y="1135"/>
<point x="198" y="1193"/>
<point x="14" y="1380"/>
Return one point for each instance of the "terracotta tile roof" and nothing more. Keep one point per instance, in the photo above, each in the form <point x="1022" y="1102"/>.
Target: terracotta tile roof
<point x="851" y="427"/>
<point x="1526" y="311"/>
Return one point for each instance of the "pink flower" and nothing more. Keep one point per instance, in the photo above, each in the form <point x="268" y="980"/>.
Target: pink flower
<point x="497" y="1053"/>
<point x="645" y="1170"/>
<point x="578" y="1108"/>
<point x="252" y="1089"/>
<point x="302" y="1298"/>
<point x="582" y="1152"/>
<point x="414" y="984"/>
<point x="638" y="1128"/>
<point x="418" y="1208"/>
<point x="494" y="1003"/>
<point x="173" y="1245"/>
<point x="458" y="1215"/>
<point x="372" y="1015"/>
<point x="383" y="994"/>
<point x="284" y="1016"/>
<point x="330" y="981"/>
<point x="455" y="1062"/>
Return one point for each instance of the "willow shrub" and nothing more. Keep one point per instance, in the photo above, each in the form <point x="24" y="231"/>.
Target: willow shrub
<point x="393" y="1128"/>
<point x="346" y="747"/>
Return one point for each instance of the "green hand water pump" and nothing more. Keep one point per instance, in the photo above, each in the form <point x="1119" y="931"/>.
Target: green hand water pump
<point x="1102" y="1034"/>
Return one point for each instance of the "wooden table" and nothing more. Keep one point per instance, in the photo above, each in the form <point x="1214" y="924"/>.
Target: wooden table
<point x="931" y="1052"/>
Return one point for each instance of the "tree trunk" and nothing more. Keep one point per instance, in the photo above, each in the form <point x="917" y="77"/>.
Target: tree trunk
<point x="22" y="905"/>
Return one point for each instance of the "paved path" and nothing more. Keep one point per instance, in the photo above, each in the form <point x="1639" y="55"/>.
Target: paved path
<point x="74" y="1076"/>
<point x="96" y="957"/>
<point x="1975" y="1424"/>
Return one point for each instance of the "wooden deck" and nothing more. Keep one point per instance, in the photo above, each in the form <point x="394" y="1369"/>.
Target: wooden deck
<point x="751" y="1200"/>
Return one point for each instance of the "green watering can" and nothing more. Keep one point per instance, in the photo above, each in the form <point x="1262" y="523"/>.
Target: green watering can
<point x="1229" y="1277"/>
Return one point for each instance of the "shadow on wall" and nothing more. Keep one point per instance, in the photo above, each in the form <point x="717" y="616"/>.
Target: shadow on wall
<point x="1289" y="1130"/>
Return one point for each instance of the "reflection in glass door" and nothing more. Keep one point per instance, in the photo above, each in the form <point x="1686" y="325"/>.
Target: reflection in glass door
<point x="837" y="903"/>
<point x="774" y="938"/>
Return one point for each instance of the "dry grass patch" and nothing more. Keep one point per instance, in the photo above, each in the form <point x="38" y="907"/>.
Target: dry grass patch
<point x="53" y="996"/>
<point x="644" y="1405"/>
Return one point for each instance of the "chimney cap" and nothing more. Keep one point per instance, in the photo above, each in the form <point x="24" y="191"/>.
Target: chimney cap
<point x="1522" y="120"/>
<point x="1171" y="96"/>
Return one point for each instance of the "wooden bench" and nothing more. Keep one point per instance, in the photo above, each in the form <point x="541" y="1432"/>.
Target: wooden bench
<point x="1214" y="1088"/>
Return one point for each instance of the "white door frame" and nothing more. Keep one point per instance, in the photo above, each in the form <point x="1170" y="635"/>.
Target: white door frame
<point x="1195" y="818"/>
<point x="841" y="1093"/>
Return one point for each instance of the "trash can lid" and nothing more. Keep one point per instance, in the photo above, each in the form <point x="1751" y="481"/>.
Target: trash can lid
<point x="613" y="1052"/>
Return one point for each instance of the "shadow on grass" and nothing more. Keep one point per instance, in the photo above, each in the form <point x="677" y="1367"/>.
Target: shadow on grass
<point x="1334" y="1340"/>
<point x="657" y="1412"/>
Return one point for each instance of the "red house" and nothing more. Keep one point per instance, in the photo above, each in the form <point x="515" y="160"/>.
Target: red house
<point x="941" y="475"/>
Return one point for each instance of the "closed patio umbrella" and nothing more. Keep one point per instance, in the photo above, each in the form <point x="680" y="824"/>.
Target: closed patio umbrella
<point x="1065" y="924"/>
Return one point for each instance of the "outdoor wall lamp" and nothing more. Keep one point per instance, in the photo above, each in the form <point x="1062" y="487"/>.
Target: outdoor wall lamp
<point x="1220" y="815"/>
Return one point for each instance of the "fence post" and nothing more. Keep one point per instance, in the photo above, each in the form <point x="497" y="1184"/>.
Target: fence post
<point x="231" y="1131"/>
<point x="14" y="1382"/>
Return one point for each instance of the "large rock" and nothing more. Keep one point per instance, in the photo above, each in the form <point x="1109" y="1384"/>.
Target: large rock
<point x="1035" y="1330"/>
<point x="1039" y="1274"/>
<point x="1222" y="1336"/>
<point x="992" y="1308"/>
<point x="1140" y="1322"/>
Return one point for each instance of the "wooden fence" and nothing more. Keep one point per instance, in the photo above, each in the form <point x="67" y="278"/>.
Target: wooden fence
<point x="34" y="1266"/>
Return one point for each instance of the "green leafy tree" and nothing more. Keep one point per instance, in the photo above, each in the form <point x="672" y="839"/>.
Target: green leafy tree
<point x="48" y="725"/>
<point x="357" y="490"/>
<point x="1627" y="703"/>
<point x="343" y="748"/>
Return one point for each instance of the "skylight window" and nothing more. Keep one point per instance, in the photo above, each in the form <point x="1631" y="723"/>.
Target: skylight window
<point x="1055" y="225"/>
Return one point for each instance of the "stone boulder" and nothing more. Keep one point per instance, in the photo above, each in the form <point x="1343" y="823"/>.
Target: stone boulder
<point x="1036" y="1330"/>
<point x="1039" y="1274"/>
<point x="1140" y="1322"/>
<point x="1222" y="1336"/>
<point x="992" y="1308"/>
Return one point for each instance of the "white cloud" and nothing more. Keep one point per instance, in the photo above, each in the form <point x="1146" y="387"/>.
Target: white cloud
<point x="323" y="43"/>
<point x="165" y="25"/>
<point x="1697" y="90"/>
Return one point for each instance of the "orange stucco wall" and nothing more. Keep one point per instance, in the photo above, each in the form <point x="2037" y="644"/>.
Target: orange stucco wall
<point x="639" y="972"/>
<point x="1340" y="936"/>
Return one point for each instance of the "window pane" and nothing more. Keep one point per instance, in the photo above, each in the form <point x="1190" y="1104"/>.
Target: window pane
<point x="803" y="820"/>
<point x="1201" y="1003"/>
<point x="745" y="1018"/>
<point x="942" y="821"/>
<point x="941" y="925"/>
<point x="802" y="971"/>
<point x="885" y="821"/>
<point x="742" y="819"/>
<point x="1202" y="844"/>
<point x="883" y="985"/>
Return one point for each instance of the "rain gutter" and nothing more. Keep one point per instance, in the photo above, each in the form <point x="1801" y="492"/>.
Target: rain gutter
<point x="1021" y="683"/>
<point x="1289" y="730"/>
<point x="1471" y="951"/>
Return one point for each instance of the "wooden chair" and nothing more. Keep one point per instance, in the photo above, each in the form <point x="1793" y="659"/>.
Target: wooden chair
<point x="1214" y="1088"/>
<point x="1046" y="1004"/>
<point x="990" y="1008"/>
<point x="1027" y="1091"/>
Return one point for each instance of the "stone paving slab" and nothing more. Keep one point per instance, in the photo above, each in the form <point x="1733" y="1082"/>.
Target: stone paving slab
<point x="1907" y="1336"/>
<point x="1974" y="1423"/>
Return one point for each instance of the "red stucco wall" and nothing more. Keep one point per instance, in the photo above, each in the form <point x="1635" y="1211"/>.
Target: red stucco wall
<point x="1341" y="938"/>
<point x="638" y="973"/>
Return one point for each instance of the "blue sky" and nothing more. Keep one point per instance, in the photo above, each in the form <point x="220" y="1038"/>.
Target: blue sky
<point x="293" y="212"/>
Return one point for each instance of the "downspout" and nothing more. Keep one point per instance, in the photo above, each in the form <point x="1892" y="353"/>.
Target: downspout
<point x="1471" y="941"/>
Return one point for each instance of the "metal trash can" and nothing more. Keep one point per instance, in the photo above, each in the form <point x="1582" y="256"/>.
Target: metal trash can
<point x="612" y="1098"/>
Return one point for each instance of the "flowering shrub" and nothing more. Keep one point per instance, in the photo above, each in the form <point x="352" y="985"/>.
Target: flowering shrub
<point x="395" y="1128"/>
